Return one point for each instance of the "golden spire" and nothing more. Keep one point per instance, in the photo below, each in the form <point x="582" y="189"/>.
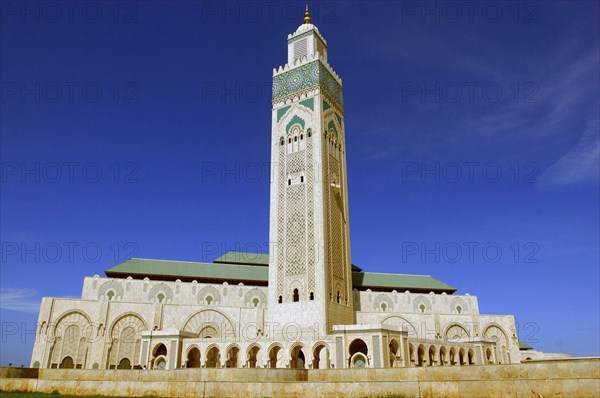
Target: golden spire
<point x="306" y="15"/>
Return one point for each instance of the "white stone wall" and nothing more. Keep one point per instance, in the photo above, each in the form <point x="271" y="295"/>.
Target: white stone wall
<point x="435" y="316"/>
<point x="189" y="293"/>
<point x="240" y="315"/>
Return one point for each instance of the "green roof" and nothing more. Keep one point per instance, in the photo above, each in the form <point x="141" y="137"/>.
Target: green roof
<point x="244" y="258"/>
<point x="247" y="258"/>
<point x="187" y="270"/>
<point x="378" y="281"/>
<point x="252" y="268"/>
<point x="524" y="346"/>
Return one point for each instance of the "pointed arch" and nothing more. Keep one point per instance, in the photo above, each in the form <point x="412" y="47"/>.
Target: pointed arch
<point x="297" y="356"/>
<point x="71" y="334"/>
<point x="494" y="332"/>
<point x="160" y="292"/>
<point x="71" y="317"/>
<point x="193" y="356"/>
<point x="232" y="356"/>
<point x="126" y="334"/>
<point x="209" y="295"/>
<point x="255" y="294"/>
<point x="404" y="324"/>
<point x="209" y="317"/>
<point x="456" y="331"/>
<point x="383" y="303"/>
<point x="459" y="306"/>
<point x="275" y="356"/>
<point x="294" y="115"/>
<point x="213" y="356"/>
<point x="127" y="319"/>
<point x="252" y="353"/>
<point x="320" y="355"/>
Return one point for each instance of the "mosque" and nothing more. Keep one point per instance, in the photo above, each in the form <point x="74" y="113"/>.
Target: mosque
<point x="304" y="305"/>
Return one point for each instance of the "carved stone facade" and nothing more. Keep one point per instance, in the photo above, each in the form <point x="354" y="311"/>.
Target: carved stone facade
<point x="309" y="308"/>
<point x="209" y="325"/>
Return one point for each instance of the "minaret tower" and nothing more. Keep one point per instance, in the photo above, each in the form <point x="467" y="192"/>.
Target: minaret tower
<point x="310" y="276"/>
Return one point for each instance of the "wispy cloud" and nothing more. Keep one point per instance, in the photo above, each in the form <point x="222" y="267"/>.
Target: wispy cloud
<point x="558" y="128"/>
<point x="580" y="164"/>
<point x="21" y="300"/>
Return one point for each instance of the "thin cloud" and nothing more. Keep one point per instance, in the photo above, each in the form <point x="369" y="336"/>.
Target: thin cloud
<point x="20" y="300"/>
<point x="580" y="164"/>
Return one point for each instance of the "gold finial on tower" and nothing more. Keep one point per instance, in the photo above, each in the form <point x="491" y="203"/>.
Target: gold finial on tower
<point x="306" y="15"/>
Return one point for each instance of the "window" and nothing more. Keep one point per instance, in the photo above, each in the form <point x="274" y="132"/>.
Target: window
<point x="290" y="140"/>
<point x="209" y="300"/>
<point x="422" y="308"/>
<point x="458" y="309"/>
<point x="338" y="297"/>
<point x="255" y="302"/>
<point x="296" y="296"/>
<point x="312" y="296"/>
<point x="110" y="295"/>
<point x="301" y="136"/>
<point x="383" y="307"/>
<point x="281" y="141"/>
<point x="160" y="297"/>
<point x="280" y="299"/>
<point x="295" y="139"/>
<point x="289" y="182"/>
<point x="301" y="178"/>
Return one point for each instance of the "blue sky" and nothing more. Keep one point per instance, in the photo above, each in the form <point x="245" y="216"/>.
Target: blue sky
<point x="143" y="128"/>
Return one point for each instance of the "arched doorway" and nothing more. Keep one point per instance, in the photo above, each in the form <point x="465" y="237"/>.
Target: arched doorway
<point x="488" y="356"/>
<point x="160" y="349"/>
<point x="358" y="361"/>
<point x="411" y="355"/>
<point x="125" y="333"/>
<point x="124" y="363"/>
<point x="431" y="356"/>
<point x="321" y="357"/>
<point x="160" y="363"/>
<point x="232" y="357"/>
<point x="471" y="357"/>
<point x="393" y="347"/>
<point x="275" y="356"/>
<point x="420" y="355"/>
<point x="213" y="358"/>
<point x="298" y="358"/>
<point x="496" y="334"/>
<point x="67" y="363"/>
<point x="253" y="356"/>
<point x="452" y="356"/>
<point x="461" y="356"/>
<point x="159" y="357"/>
<point x="358" y="351"/>
<point x="442" y="356"/>
<point x="193" y="358"/>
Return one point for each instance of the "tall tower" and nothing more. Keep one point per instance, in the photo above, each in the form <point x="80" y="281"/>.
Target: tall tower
<point x="310" y="276"/>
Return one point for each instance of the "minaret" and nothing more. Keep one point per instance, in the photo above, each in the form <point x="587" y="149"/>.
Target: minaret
<point x="310" y="277"/>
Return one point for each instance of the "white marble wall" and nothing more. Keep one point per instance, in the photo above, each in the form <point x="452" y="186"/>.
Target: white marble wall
<point x="241" y="315"/>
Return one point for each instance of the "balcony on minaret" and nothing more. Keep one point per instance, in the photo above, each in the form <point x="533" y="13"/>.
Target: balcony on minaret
<point x="306" y="41"/>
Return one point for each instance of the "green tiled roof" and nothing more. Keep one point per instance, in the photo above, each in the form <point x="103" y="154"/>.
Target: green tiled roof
<point x="524" y="346"/>
<point x="244" y="258"/>
<point x="252" y="268"/>
<point x="253" y="259"/>
<point x="400" y="282"/>
<point x="186" y="270"/>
